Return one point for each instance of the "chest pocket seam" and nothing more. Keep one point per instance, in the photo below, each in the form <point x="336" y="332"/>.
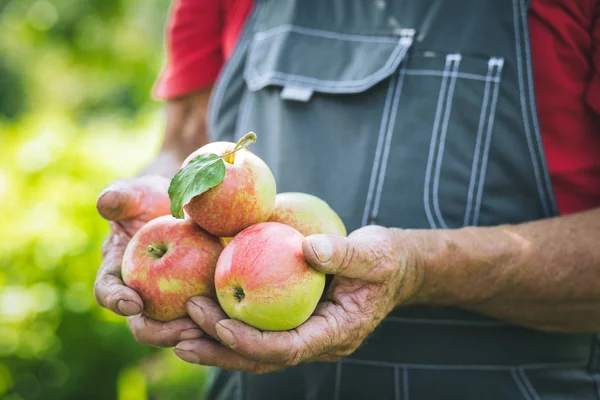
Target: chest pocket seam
<point x="482" y="145"/>
<point x="327" y="63"/>
<point x="482" y="132"/>
<point x="273" y="75"/>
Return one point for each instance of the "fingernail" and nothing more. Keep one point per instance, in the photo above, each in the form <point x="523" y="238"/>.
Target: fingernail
<point x="185" y="346"/>
<point x="105" y="191"/>
<point x="322" y="247"/>
<point x="109" y="203"/>
<point x="198" y="313"/>
<point x="190" y="334"/>
<point x="225" y="335"/>
<point x="184" y="351"/>
<point x="128" y="307"/>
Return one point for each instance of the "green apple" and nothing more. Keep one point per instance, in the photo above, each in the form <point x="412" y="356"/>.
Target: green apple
<point x="307" y="213"/>
<point x="262" y="278"/>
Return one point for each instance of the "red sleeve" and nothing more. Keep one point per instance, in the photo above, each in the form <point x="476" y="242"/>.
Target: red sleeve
<point x="194" y="48"/>
<point x="564" y="49"/>
<point x="593" y="91"/>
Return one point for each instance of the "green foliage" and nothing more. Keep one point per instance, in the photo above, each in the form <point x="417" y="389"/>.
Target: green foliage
<point x="75" y="114"/>
<point x="200" y="174"/>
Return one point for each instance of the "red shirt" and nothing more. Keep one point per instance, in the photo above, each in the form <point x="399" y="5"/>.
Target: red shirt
<point x="565" y="43"/>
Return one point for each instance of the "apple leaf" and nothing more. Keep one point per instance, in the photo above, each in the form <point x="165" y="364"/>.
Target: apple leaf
<point x="202" y="173"/>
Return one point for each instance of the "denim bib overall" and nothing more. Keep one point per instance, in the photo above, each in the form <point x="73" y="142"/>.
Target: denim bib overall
<point x="411" y="114"/>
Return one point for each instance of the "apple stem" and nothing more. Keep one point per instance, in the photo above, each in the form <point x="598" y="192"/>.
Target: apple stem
<point x="157" y="252"/>
<point x="244" y="142"/>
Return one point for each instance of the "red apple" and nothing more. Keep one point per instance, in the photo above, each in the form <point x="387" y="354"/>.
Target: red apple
<point x="245" y="197"/>
<point x="263" y="279"/>
<point x="307" y="213"/>
<point x="167" y="262"/>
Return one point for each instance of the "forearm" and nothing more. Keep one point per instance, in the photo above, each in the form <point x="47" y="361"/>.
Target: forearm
<point x="186" y="130"/>
<point x="164" y="164"/>
<point x="543" y="274"/>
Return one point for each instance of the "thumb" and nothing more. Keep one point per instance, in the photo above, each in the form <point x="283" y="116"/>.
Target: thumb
<point x="339" y="255"/>
<point x="130" y="198"/>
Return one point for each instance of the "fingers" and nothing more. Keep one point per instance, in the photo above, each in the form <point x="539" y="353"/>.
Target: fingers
<point x="277" y="348"/>
<point x="304" y="343"/>
<point x="111" y="293"/>
<point x="358" y="257"/>
<point x="162" y="334"/>
<point x="143" y="198"/>
<point x="130" y="198"/>
<point x="109" y="290"/>
<point x="206" y="313"/>
<point x="209" y="352"/>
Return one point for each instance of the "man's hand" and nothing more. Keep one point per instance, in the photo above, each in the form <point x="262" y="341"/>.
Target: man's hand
<point x="128" y="205"/>
<point x="373" y="271"/>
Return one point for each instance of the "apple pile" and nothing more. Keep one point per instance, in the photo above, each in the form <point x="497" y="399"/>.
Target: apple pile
<point x="231" y="238"/>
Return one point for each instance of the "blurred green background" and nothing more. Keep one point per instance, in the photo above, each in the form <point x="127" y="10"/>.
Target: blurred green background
<point x="75" y="114"/>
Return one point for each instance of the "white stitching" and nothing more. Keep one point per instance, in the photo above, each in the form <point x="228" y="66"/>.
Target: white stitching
<point x="338" y="380"/>
<point x="488" y="139"/>
<point x="528" y="385"/>
<point x="223" y="81"/>
<point x="324" y="34"/>
<point x="259" y="81"/>
<point x="339" y="86"/>
<point x="402" y="45"/>
<point x="474" y="367"/>
<point x="442" y="143"/>
<point x="405" y="383"/>
<point x="432" y="144"/>
<point x="520" y="384"/>
<point x="523" y="110"/>
<point x="376" y="160"/>
<point x="457" y="322"/>
<point x="486" y="93"/>
<point x="386" y="150"/>
<point x="431" y="72"/>
<point x="533" y="109"/>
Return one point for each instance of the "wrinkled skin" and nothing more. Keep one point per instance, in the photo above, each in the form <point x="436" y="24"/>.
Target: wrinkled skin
<point x="128" y="205"/>
<point x="372" y="276"/>
<point x="373" y="271"/>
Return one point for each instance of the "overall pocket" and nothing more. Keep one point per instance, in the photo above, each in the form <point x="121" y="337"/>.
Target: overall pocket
<point x="317" y="100"/>
<point x="436" y="157"/>
<point x="384" y="137"/>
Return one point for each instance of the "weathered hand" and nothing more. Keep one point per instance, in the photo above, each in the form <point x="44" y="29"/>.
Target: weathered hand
<point x="128" y="205"/>
<point x="373" y="271"/>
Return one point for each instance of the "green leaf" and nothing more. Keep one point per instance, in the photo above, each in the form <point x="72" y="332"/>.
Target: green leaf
<point x="202" y="173"/>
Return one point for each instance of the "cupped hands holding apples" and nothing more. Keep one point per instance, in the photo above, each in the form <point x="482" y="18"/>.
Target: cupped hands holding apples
<point x="255" y="302"/>
<point x="128" y="205"/>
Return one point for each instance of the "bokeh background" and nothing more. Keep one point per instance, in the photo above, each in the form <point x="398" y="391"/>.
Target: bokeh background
<point x="75" y="114"/>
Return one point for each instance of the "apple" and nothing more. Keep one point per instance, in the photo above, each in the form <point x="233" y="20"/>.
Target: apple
<point x="244" y="198"/>
<point x="262" y="278"/>
<point x="167" y="262"/>
<point x="307" y="213"/>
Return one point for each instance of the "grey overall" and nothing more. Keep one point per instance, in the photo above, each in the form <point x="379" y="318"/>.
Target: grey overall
<point x="411" y="114"/>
